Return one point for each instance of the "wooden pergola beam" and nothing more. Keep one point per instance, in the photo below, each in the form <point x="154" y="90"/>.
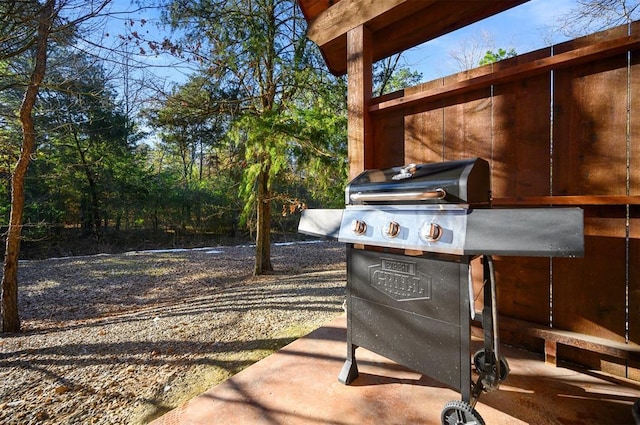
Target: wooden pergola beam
<point x="396" y="25"/>
<point x="359" y="93"/>
<point x="584" y="54"/>
<point x="349" y="14"/>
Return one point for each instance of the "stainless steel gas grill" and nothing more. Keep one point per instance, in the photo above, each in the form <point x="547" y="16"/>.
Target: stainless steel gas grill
<point x="412" y="233"/>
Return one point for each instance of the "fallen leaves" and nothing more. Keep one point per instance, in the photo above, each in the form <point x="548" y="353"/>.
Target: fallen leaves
<point x="116" y="339"/>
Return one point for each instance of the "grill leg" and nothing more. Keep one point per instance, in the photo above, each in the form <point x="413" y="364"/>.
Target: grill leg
<point x="492" y="367"/>
<point x="489" y="313"/>
<point x="349" y="370"/>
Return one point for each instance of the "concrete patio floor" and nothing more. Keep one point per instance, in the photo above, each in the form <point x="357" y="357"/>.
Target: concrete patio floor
<point x="298" y="385"/>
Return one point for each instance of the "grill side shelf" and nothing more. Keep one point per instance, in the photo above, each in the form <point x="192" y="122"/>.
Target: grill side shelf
<point x="321" y="222"/>
<point x="532" y="232"/>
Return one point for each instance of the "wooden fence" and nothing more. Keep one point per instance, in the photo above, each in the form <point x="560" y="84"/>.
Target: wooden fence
<point x="559" y="126"/>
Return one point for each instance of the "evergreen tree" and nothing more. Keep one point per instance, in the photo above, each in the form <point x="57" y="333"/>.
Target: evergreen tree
<point x="256" y="49"/>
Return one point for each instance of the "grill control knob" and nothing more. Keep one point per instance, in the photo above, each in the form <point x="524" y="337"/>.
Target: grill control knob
<point x="392" y="229"/>
<point x="358" y="227"/>
<point x="432" y="232"/>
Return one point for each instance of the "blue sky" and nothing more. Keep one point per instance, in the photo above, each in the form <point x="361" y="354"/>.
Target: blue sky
<point x="525" y="28"/>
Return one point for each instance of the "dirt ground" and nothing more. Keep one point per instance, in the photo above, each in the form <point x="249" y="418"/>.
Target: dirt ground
<point x="122" y="339"/>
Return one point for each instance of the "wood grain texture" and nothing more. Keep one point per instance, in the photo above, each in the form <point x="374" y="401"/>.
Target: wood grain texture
<point x="389" y="142"/>
<point x="521" y="138"/>
<point x="590" y="128"/>
<point x="589" y="292"/>
<point x="523" y="288"/>
<point x="467" y="126"/>
<point x="571" y="58"/>
<point x="348" y="14"/>
<point x="634" y="210"/>
<point x="634" y="117"/>
<point x="359" y="93"/>
<point x="424" y="137"/>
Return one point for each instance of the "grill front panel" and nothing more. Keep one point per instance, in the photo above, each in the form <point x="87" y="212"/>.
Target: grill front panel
<point x="412" y="310"/>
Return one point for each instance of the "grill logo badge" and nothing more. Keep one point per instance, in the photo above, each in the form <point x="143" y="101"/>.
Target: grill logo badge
<point x="400" y="280"/>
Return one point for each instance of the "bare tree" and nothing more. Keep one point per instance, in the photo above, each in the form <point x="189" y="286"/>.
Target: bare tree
<point x="472" y="49"/>
<point x="386" y="68"/>
<point x="596" y="15"/>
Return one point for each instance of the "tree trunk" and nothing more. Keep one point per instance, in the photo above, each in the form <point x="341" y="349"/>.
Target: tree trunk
<point x="9" y="294"/>
<point x="263" y="225"/>
<point x="93" y="222"/>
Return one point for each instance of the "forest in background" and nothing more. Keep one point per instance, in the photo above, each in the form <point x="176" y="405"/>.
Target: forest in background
<point x="124" y="160"/>
<point x="120" y="157"/>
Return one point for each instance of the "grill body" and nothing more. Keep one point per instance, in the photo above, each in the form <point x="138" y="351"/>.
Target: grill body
<point x="412" y="233"/>
<point x="412" y="310"/>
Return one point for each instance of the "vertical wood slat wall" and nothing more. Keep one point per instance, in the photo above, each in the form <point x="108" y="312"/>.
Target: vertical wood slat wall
<point x="568" y="131"/>
<point x="590" y="158"/>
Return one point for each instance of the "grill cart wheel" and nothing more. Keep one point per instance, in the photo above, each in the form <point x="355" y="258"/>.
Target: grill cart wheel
<point x="479" y="363"/>
<point x="459" y="412"/>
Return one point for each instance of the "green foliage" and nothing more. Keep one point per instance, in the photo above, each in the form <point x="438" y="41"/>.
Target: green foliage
<point x="87" y="143"/>
<point x="260" y="104"/>
<point x="192" y="127"/>
<point x="492" y="57"/>
<point x="258" y="51"/>
<point x="389" y="77"/>
<point x="17" y="29"/>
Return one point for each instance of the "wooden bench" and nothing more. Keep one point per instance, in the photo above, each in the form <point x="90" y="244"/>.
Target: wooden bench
<point x="552" y="337"/>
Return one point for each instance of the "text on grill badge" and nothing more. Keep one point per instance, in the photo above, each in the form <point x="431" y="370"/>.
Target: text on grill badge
<point x="400" y="280"/>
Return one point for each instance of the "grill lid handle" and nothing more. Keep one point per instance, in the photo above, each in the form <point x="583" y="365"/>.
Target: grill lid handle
<point x="398" y="197"/>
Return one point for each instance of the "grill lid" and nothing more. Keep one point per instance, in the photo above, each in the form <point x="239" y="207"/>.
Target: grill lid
<point x="453" y="182"/>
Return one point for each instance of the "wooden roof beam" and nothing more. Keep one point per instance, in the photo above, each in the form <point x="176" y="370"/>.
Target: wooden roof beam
<point x="517" y="72"/>
<point x="395" y="25"/>
<point x="348" y="14"/>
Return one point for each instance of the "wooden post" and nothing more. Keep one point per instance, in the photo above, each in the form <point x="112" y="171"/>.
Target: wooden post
<point x="360" y="91"/>
<point x="551" y="352"/>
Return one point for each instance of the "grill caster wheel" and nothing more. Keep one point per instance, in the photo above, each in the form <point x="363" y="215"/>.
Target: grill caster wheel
<point x="479" y="360"/>
<point x="460" y="413"/>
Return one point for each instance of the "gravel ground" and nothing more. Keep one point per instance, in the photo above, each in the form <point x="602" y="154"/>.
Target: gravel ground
<point x="122" y="339"/>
